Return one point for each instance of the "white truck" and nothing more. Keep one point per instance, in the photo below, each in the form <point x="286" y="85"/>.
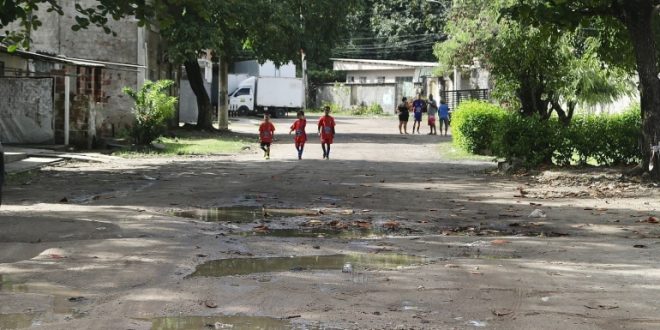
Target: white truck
<point x="274" y="95"/>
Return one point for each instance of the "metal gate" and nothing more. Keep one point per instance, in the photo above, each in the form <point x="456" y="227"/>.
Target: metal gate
<point x="454" y="98"/>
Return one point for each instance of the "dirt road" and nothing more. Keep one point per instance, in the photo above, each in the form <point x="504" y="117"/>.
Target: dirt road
<point x="409" y="241"/>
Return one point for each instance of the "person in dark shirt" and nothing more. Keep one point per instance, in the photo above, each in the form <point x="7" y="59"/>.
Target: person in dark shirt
<point x="402" y="111"/>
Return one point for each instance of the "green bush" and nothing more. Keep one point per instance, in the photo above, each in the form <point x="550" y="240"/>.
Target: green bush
<point x="373" y="109"/>
<point x="474" y="126"/>
<point x="527" y="139"/>
<point x="153" y="107"/>
<point x="602" y="139"/>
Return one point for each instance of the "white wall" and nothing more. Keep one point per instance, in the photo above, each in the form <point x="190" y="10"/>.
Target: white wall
<point x="372" y="76"/>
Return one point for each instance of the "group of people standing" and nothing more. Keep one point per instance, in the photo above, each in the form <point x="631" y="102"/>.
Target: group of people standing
<point x="326" y="130"/>
<point x="418" y="107"/>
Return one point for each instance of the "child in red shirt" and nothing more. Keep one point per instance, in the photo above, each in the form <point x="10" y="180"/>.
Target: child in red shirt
<point x="266" y="132"/>
<point x="327" y="131"/>
<point x="301" y="136"/>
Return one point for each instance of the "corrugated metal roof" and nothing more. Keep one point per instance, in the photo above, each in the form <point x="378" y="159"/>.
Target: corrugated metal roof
<point x="44" y="57"/>
<point x="411" y="64"/>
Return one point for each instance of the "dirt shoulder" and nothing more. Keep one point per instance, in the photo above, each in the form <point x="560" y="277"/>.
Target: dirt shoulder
<point x="106" y="233"/>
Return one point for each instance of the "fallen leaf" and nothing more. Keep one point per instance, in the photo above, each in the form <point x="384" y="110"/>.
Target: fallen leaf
<point x="362" y="224"/>
<point x="451" y="266"/>
<point x="499" y="242"/>
<point x="261" y="228"/>
<point x="210" y="304"/>
<point x="601" y="307"/>
<point x="392" y="225"/>
<point x="502" y="312"/>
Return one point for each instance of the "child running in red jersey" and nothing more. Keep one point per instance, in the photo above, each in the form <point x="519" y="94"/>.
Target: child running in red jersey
<point x="327" y="131"/>
<point x="266" y="132"/>
<point x="301" y="136"/>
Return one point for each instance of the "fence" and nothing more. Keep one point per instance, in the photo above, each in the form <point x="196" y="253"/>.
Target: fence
<point x="454" y="98"/>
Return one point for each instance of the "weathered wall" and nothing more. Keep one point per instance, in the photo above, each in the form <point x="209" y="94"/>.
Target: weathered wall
<point x="372" y="76"/>
<point x="26" y="110"/>
<point x="353" y="95"/>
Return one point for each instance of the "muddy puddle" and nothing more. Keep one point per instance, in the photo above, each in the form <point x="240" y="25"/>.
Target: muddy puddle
<point x="318" y="233"/>
<point x="16" y="321"/>
<point x="338" y="262"/>
<point x="220" y="322"/>
<point x="62" y="302"/>
<point x="240" y="214"/>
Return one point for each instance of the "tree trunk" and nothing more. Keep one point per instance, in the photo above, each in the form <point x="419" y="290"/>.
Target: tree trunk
<point x="204" y="108"/>
<point x="638" y="17"/>
<point x="223" y="100"/>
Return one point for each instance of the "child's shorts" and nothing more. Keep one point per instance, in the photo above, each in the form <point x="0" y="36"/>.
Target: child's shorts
<point x="431" y="120"/>
<point x="265" y="144"/>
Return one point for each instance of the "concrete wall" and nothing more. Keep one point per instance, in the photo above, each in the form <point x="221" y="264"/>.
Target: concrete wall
<point x="372" y="76"/>
<point x="353" y="95"/>
<point x="130" y="48"/>
<point x="26" y="110"/>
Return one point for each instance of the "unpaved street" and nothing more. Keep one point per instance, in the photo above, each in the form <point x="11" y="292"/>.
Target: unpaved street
<point x="411" y="241"/>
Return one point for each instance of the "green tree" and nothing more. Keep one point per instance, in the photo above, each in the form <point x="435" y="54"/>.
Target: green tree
<point x="540" y="71"/>
<point x="628" y="30"/>
<point x="395" y="29"/>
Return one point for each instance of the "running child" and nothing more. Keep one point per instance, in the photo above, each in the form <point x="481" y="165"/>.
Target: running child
<point x="301" y="136"/>
<point x="266" y="132"/>
<point x="433" y="112"/>
<point x="326" y="129"/>
<point x="418" y="106"/>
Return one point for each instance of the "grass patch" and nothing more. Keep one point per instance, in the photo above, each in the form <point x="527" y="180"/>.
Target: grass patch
<point x="193" y="143"/>
<point x="450" y="152"/>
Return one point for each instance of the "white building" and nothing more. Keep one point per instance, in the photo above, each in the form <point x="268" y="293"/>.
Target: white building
<point x="386" y="82"/>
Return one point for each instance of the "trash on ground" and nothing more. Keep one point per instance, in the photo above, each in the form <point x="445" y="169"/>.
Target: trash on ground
<point x="538" y="213"/>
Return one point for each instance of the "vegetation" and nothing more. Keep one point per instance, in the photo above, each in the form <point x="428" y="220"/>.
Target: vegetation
<point x="538" y="71"/>
<point x="485" y="129"/>
<point x="193" y="143"/>
<point x="153" y="107"/>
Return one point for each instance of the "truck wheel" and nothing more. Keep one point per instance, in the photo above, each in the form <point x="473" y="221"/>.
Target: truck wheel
<point x="280" y="113"/>
<point x="243" y="111"/>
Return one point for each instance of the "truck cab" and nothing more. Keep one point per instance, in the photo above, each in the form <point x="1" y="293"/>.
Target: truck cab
<point x="241" y="101"/>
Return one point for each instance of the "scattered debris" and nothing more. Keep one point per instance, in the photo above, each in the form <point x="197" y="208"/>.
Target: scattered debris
<point x="600" y="306"/>
<point x="452" y="266"/>
<point x="347" y="268"/>
<point x="640" y="246"/>
<point x="261" y="229"/>
<point x="77" y="299"/>
<point x="538" y="213"/>
<point x="392" y="225"/>
<point x="210" y="304"/>
<point x="650" y="220"/>
<point x="499" y="242"/>
<point x="502" y="312"/>
<point x="478" y="324"/>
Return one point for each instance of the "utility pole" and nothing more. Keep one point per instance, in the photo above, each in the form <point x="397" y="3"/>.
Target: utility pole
<point x="303" y="58"/>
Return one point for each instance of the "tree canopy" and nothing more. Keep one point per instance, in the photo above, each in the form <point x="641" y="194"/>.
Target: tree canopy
<point x="539" y="71"/>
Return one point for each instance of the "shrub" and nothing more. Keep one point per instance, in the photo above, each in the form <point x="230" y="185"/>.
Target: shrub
<point x="474" y="126"/>
<point x="153" y="107"/>
<point x="527" y="139"/>
<point x="373" y="109"/>
<point x="604" y="139"/>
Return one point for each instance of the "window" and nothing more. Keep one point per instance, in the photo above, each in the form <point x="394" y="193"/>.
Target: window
<point x="89" y="81"/>
<point x="381" y="80"/>
<point x="363" y="80"/>
<point x="242" y="91"/>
